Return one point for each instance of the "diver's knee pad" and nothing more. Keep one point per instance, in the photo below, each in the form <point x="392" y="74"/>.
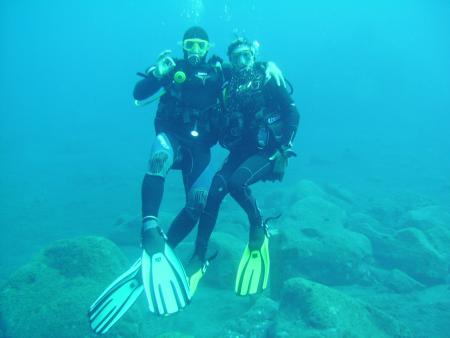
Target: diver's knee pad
<point x="196" y="202"/>
<point x="159" y="164"/>
<point x="161" y="158"/>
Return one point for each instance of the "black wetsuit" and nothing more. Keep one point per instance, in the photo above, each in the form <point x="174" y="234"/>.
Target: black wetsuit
<point x="187" y="106"/>
<point x="259" y="119"/>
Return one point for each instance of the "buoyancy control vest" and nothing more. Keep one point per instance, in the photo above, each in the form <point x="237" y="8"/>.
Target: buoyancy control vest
<point x="189" y="109"/>
<point x="250" y="118"/>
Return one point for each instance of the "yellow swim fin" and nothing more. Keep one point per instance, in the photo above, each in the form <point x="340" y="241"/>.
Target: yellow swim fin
<point x="253" y="271"/>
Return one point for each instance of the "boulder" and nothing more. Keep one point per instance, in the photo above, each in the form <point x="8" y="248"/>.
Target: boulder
<point x="397" y="281"/>
<point x="439" y="238"/>
<point x="222" y="271"/>
<point x="386" y="211"/>
<point x="331" y="192"/>
<point x="258" y="322"/>
<point x="341" y="196"/>
<point x="305" y="188"/>
<point x="127" y="231"/>
<point x="233" y="222"/>
<point x="409" y="250"/>
<point x="426" y="218"/>
<point x="309" y="309"/>
<point x="273" y="199"/>
<point x="434" y="221"/>
<point x="333" y="258"/>
<point x="49" y="296"/>
<point x="317" y="246"/>
<point x="367" y="225"/>
<point x="315" y="213"/>
<point x="174" y="334"/>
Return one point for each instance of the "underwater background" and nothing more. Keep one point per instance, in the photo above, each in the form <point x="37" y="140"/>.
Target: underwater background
<point x="362" y="247"/>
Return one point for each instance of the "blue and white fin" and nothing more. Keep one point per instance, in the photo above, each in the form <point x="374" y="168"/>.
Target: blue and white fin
<point x="117" y="298"/>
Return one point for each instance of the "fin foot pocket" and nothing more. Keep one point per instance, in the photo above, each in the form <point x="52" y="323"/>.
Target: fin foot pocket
<point x="165" y="282"/>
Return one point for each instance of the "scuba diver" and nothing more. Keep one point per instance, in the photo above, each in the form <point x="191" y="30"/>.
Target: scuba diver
<point x="259" y="123"/>
<point x="186" y="126"/>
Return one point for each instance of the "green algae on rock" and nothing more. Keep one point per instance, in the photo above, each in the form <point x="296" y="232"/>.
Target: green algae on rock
<point x="49" y="297"/>
<point x="316" y="308"/>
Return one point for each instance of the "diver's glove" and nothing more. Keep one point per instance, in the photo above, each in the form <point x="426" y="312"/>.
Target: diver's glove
<point x="214" y="59"/>
<point x="272" y="71"/>
<point x="164" y="64"/>
<point x="280" y="161"/>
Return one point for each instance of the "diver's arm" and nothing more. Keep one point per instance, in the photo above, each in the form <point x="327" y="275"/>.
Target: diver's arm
<point x="227" y="70"/>
<point x="225" y="67"/>
<point x="147" y="86"/>
<point x="155" y="76"/>
<point x="273" y="72"/>
<point x="288" y="110"/>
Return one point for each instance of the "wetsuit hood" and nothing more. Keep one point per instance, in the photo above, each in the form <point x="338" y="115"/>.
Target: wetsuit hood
<point x="195" y="32"/>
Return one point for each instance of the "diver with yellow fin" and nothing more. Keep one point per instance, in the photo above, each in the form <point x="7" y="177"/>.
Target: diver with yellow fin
<point x="259" y="123"/>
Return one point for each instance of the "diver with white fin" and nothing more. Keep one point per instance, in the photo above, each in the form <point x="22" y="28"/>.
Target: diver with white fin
<point x="187" y="125"/>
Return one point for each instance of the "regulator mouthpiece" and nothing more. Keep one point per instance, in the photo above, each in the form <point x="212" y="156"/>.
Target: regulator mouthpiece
<point x="194" y="59"/>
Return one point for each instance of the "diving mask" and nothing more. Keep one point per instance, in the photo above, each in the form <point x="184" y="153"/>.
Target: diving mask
<point x="199" y="46"/>
<point x="242" y="57"/>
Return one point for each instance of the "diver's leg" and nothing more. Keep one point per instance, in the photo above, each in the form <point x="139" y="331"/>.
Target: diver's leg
<point x="163" y="276"/>
<point x="197" y="176"/>
<point x="253" y="169"/>
<point x="161" y="160"/>
<point x="199" y="262"/>
<point x="209" y="215"/>
<point x="216" y="194"/>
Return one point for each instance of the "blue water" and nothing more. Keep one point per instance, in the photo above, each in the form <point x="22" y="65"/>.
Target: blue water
<point x="371" y="82"/>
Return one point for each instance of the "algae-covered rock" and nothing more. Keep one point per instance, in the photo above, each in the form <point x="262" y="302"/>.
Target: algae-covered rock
<point x="367" y="225"/>
<point x="426" y="217"/>
<point x="306" y="188"/>
<point x="439" y="238"/>
<point x="174" y="334"/>
<point x="315" y="212"/>
<point x="49" y="297"/>
<point x="333" y="256"/>
<point x="127" y="230"/>
<point x="386" y="212"/>
<point x="318" y="247"/>
<point x="320" y="311"/>
<point x="409" y="250"/>
<point x="272" y="199"/>
<point x="330" y="192"/>
<point x="222" y="271"/>
<point x="233" y="222"/>
<point x="421" y="254"/>
<point x="389" y="209"/>
<point x="398" y="281"/>
<point x="258" y="322"/>
<point x="434" y="221"/>
<point x="341" y="196"/>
